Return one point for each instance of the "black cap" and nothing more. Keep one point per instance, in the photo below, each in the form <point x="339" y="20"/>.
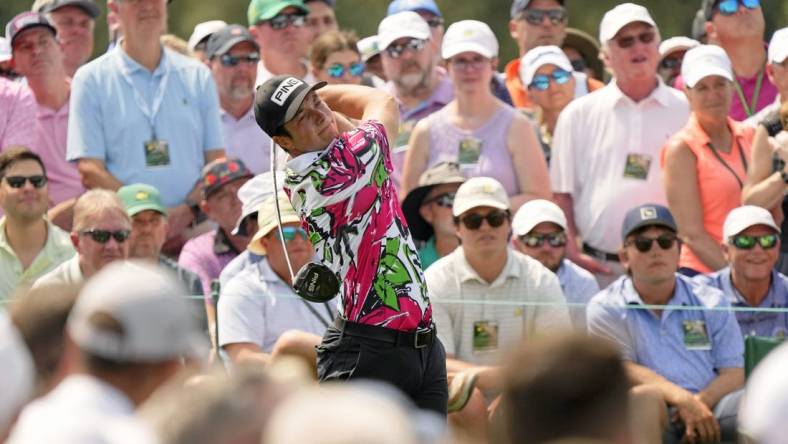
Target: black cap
<point x="221" y="41"/>
<point x="278" y="99"/>
<point x="89" y="6"/>
<point x="645" y="216"/>
<point x="23" y="22"/>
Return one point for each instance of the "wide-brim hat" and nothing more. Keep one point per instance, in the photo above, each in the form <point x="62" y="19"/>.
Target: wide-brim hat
<point x="442" y="173"/>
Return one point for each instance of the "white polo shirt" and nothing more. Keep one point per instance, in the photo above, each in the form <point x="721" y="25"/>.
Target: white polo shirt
<point x="246" y="141"/>
<point x="478" y="321"/>
<point x="606" y="155"/>
<point x="68" y="273"/>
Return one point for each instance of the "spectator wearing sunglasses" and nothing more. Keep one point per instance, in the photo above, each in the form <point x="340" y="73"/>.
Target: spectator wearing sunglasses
<point x="705" y="164"/>
<point x="233" y="57"/>
<point x="427" y="209"/>
<point x="484" y="135"/>
<point x="335" y="58"/>
<point x="429" y="11"/>
<point x="695" y="358"/>
<point x="99" y="232"/>
<point x="259" y="313"/>
<point x="738" y="27"/>
<point x="30" y="245"/>
<point x="672" y="53"/>
<point x="540" y="232"/>
<point x="751" y="244"/>
<point x="606" y="144"/>
<point x="280" y="30"/>
<point x="582" y="50"/>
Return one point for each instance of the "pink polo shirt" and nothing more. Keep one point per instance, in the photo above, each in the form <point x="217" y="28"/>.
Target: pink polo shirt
<point x="17" y="114"/>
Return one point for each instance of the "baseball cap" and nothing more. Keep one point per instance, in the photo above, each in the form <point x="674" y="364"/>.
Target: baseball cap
<point x="147" y="318"/>
<point x="267" y="220"/>
<point x="761" y="416"/>
<point x="89" y="6"/>
<point x="203" y="31"/>
<point x="16" y="374"/>
<point x="703" y="61"/>
<point x="441" y="173"/>
<point x="778" y="46"/>
<point x="469" y="36"/>
<point x="253" y="193"/>
<point x="222" y="171"/>
<point x="139" y="197"/>
<point x="746" y="216"/>
<point x="368" y="47"/>
<point x="224" y="39"/>
<point x="519" y="6"/>
<point x="480" y="192"/>
<point x="647" y="215"/>
<point x="540" y="56"/>
<point x="398" y="6"/>
<point x="676" y="44"/>
<point x="621" y="16"/>
<point x="401" y="25"/>
<point x="24" y="21"/>
<point x="278" y="99"/>
<point x="262" y="10"/>
<point x="534" y="212"/>
<point x="5" y="50"/>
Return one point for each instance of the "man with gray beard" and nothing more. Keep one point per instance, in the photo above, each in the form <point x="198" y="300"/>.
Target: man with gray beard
<point x="417" y="82"/>
<point x="232" y="57"/>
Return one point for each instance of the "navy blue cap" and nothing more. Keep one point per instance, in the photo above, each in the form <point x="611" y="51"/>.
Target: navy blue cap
<point x="645" y="216"/>
<point x="398" y="6"/>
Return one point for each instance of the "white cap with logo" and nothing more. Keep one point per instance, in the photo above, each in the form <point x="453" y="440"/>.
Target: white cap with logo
<point x="778" y="46"/>
<point x="746" y="216"/>
<point x="480" y="192"/>
<point x="540" y="56"/>
<point x="703" y="61"/>
<point x="534" y="212"/>
<point x="203" y="30"/>
<point x="677" y="43"/>
<point x="254" y="192"/>
<point x="469" y="36"/>
<point x="621" y="16"/>
<point x="402" y="25"/>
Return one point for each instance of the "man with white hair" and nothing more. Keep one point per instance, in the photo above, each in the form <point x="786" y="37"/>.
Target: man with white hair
<point x="607" y="143"/>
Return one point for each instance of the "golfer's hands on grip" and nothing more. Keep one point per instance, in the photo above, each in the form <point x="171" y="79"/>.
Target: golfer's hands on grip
<point x="701" y="426"/>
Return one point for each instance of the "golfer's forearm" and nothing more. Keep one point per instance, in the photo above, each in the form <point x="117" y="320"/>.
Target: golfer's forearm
<point x="355" y="101"/>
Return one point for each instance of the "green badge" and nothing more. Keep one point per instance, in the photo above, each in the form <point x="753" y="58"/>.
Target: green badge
<point x="695" y="335"/>
<point x="637" y="166"/>
<point x="403" y="136"/>
<point x="485" y="336"/>
<point x="157" y="153"/>
<point x="469" y="151"/>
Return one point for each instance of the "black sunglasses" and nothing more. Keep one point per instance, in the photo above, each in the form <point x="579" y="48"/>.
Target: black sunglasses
<point x="282" y="21"/>
<point x="579" y="64"/>
<point x="38" y="181"/>
<point x="395" y="50"/>
<point x="629" y="41"/>
<point x="746" y="242"/>
<point x="445" y="200"/>
<point x="536" y="240"/>
<point x="494" y="219"/>
<point x="249" y="59"/>
<point x="102" y="236"/>
<point x="536" y="16"/>
<point x="644" y="244"/>
<point x="435" y="22"/>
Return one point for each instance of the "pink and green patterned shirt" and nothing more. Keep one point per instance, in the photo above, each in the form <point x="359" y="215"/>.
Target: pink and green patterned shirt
<point x="348" y="204"/>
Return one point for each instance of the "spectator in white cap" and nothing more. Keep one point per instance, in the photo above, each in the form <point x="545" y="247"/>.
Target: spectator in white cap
<point x="75" y="21"/>
<point x="130" y="330"/>
<point x="484" y="269"/>
<point x="761" y="418"/>
<point x="199" y="39"/>
<point x="606" y="146"/>
<point x="410" y="64"/>
<point x="705" y="164"/>
<point x="370" y="55"/>
<point x="751" y="244"/>
<point x="429" y="11"/>
<point x="539" y="229"/>
<point x="671" y="52"/>
<point x="484" y="135"/>
<point x="777" y="72"/>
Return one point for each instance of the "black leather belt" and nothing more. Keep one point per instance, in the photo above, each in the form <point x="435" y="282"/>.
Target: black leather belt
<point x="599" y="254"/>
<point x="419" y="338"/>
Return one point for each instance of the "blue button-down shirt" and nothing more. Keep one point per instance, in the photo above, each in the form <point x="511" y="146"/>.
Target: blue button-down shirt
<point x="754" y="323"/>
<point x="579" y="286"/>
<point x="658" y="342"/>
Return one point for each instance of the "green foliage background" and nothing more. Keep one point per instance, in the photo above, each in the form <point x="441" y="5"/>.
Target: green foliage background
<point x="674" y="17"/>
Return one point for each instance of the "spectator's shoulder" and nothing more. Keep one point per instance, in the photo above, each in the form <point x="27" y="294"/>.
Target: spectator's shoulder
<point x="531" y="268"/>
<point x="444" y="270"/>
<point x="703" y="293"/>
<point x="579" y="271"/>
<point x="613" y="295"/>
<point x="245" y="283"/>
<point x="196" y="245"/>
<point x="96" y="69"/>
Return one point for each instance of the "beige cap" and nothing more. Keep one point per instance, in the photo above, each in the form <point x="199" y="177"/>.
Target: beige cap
<point x="480" y="192"/>
<point x="267" y="220"/>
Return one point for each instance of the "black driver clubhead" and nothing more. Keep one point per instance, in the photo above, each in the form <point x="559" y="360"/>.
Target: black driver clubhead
<point x="316" y="283"/>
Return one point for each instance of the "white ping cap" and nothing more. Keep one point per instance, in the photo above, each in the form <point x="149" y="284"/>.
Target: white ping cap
<point x="534" y="212"/>
<point x="778" y="46"/>
<point x="621" y="16"/>
<point x="540" y="56"/>
<point x="674" y="44"/>
<point x="203" y="30"/>
<point x="480" y="192"/>
<point x="703" y="61"/>
<point x="255" y="191"/>
<point x="368" y="47"/>
<point x="746" y="216"/>
<point x="469" y="36"/>
<point x="401" y="25"/>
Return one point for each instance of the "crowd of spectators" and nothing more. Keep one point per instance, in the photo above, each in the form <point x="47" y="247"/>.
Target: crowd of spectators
<point x="601" y="227"/>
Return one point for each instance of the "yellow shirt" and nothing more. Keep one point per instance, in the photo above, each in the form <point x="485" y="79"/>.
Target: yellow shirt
<point x="57" y="249"/>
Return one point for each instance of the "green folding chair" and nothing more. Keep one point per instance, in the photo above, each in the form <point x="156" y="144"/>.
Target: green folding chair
<point x="755" y="349"/>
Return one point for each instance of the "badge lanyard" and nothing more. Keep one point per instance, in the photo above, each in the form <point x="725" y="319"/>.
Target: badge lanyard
<point x="750" y="109"/>
<point x="725" y="164"/>
<point x="149" y="112"/>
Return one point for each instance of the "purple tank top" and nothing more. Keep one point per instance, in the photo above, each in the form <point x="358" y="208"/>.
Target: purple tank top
<point x="481" y="152"/>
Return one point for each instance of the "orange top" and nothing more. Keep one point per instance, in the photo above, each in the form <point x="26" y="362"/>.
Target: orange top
<point x="519" y="93"/>
<point x="720" y="178"/>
